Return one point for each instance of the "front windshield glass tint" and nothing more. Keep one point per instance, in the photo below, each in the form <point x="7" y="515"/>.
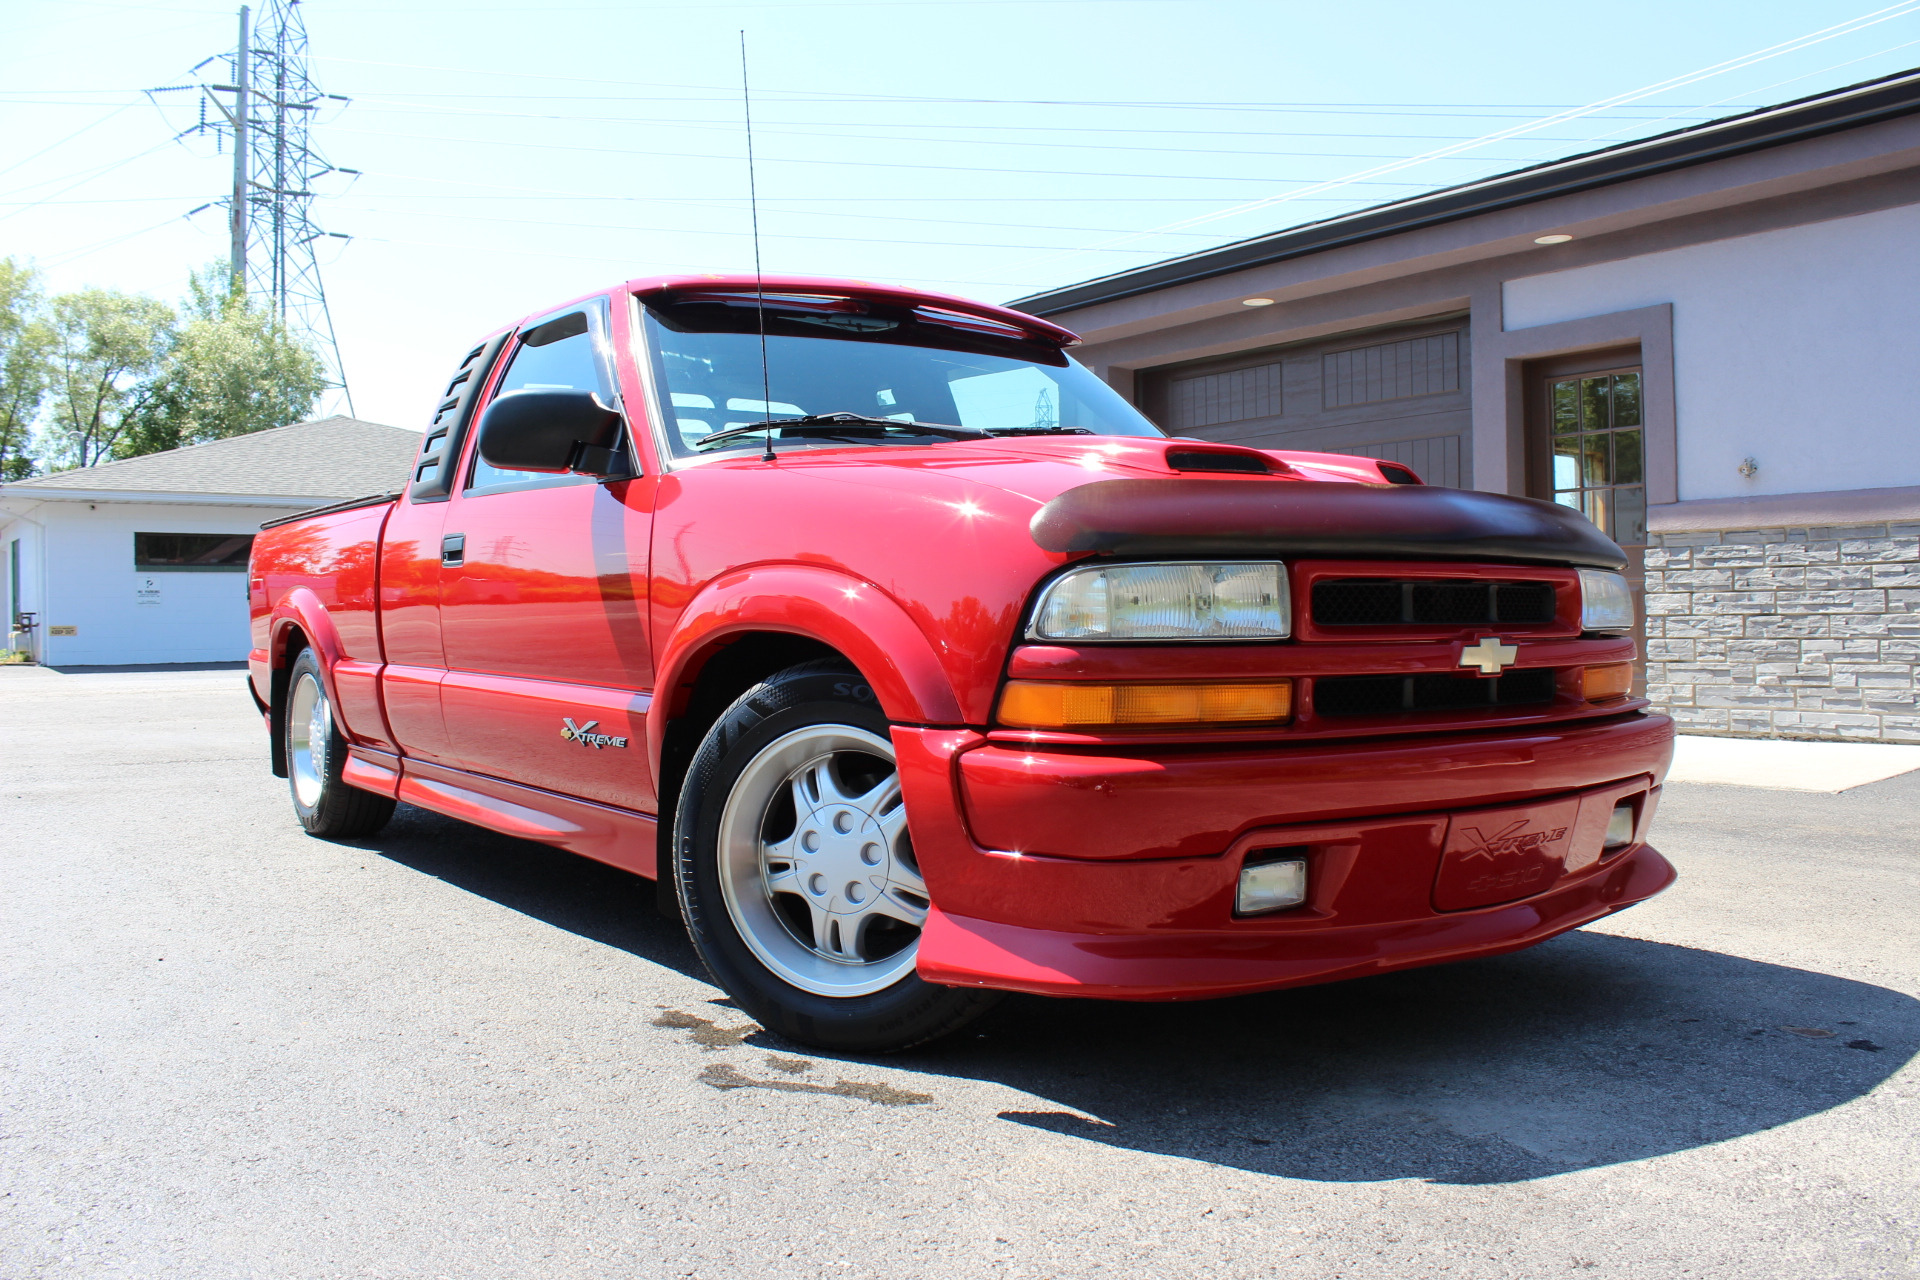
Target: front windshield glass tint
<point x="711" y="379"/>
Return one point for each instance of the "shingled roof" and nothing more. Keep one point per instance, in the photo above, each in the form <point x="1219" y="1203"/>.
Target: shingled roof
<point x="337" y="457"/>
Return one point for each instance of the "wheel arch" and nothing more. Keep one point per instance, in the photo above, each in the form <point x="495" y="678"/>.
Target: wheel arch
<point x="298" y="622"/>
<point x="746" y="626"/>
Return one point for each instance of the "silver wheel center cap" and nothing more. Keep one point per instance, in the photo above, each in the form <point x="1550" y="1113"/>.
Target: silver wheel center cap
<point x="841" y="857"/>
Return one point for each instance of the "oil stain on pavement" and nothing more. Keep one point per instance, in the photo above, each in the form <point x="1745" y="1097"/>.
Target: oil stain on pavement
<point x="709" y="1035"/>
<point x="721" y="1075"/>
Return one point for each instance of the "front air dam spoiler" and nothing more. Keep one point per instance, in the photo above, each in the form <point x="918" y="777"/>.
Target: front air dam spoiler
<point x="1192" y="517"/>
<point x="959" y="952"/>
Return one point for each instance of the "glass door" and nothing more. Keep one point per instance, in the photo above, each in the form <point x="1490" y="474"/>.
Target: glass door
<point x="1598" y="458"/>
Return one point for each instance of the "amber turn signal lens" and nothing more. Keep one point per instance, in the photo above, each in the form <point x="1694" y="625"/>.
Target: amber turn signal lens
<point x="1036" y="704"/>
<point x="1611" y="681"/>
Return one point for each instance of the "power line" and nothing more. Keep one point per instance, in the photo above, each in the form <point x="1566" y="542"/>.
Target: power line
<point x="386" y="105"/>
<point x="1900" y="9"/>
<point x="626" y="261"/>
<point x="836" y="214"/>
<point x="29" y="204"/>
<point x="832" y="95"/>
<point x="764" y="4"/>
<point x="85" y="176"/>
<point x="74" y="255"/>
<point x="697" y="231"/>
<point x="859" y="164"/>
<point x="791" y="132"/>
<point x="553" y="193"/>
<point x="1309" y="108"/>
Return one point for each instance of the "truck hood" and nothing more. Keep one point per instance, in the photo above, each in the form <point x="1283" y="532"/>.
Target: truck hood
<point x="1139" y="497"/>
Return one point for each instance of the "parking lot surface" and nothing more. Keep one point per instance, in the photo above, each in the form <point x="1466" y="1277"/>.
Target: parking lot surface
<point x="232" y="1050"/>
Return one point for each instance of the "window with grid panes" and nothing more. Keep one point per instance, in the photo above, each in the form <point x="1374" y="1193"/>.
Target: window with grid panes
<point x="1598" y="462"/>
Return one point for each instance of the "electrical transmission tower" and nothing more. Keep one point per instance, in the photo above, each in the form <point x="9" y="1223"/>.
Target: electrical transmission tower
<point x="265" y="112"/>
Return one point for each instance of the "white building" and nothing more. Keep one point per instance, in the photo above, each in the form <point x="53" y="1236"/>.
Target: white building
<point x="144" y="561"/>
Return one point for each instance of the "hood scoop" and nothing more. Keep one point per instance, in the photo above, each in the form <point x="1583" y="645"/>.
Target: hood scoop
<point x="1226" y="459"/>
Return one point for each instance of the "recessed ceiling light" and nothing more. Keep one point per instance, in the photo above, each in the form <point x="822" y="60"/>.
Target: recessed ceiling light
<point x="1556" y="238"/>
<point x="1256" y="302"/>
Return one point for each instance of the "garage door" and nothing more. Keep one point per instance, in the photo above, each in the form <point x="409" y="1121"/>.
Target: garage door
<point x="1399" y="394"/>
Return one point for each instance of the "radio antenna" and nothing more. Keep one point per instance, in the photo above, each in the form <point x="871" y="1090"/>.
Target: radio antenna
<point x="759" y="285"/>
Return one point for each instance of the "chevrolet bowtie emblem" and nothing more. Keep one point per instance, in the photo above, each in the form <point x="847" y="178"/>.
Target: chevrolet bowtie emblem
<point x="1490" y="655"/>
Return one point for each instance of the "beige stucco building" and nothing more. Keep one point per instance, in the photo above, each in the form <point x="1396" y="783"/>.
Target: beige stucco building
<point x="1706" y="340"/>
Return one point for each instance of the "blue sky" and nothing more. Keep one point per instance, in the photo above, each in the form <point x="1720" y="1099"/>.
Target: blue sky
<point x="514" y="155"/>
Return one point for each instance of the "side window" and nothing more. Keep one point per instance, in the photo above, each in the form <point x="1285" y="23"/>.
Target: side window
<point x="558" y="354"/>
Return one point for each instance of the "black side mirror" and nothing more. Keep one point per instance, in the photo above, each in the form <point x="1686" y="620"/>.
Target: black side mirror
<point x="551" y="431"/>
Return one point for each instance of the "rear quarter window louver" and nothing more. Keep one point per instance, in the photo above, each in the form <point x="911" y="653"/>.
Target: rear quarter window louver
<point x="432" y="479"/>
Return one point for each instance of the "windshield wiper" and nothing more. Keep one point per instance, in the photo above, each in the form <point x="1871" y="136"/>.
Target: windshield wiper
<point x="1039" y="431"/>
<point x="832" y="425"/>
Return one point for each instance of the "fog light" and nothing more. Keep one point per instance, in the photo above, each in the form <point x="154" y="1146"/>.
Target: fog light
<point x="1620" y="825"/>
<point x="1269" y="886"/>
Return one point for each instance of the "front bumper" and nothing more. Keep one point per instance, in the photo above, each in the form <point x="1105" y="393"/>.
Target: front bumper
<point x="1121" y="882"/>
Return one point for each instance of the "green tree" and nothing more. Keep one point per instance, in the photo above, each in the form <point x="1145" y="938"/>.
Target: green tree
<point x="25" y="343"/>
<point x="106" y="348"/>
<point x="232" y="368"/>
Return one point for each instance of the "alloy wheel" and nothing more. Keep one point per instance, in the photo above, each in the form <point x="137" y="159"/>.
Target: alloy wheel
<point x="816" y="865"/>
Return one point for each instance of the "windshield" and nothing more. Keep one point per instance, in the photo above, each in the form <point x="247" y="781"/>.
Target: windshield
<point x="828" y="356"/>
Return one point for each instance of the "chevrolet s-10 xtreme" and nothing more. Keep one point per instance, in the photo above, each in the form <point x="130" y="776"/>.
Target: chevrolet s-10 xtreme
<point x="916" y="666"/>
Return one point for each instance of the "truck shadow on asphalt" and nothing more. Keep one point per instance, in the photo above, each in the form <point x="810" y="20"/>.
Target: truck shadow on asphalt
<point x="1588" y="1050"/>
<point x="565" y="890"/>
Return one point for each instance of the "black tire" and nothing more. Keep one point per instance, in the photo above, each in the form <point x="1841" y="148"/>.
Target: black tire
<point x="316" y="755"/>
<point x="818" y="696"/>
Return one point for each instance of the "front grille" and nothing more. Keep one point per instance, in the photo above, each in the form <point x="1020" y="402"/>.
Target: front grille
<point x="1436" y="691"/>
<point x="1381" y="602"/>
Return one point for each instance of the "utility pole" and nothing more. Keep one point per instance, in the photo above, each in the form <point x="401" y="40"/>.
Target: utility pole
<point x="274" y="241"/>
<point x="237" y="208"/>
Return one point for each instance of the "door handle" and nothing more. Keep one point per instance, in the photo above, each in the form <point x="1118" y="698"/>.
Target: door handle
<point x="453" y="550"/>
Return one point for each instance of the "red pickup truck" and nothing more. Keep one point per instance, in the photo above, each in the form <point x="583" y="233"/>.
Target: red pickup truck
<point x="917" y="666"/>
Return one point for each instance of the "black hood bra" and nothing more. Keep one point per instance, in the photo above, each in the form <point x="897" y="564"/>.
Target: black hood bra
<point x="1184" y="518"/>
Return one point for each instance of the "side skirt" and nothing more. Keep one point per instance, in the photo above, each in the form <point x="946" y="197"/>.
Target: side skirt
<point x="618" y="837"/>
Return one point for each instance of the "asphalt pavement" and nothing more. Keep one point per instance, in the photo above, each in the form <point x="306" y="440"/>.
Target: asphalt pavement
<point x="231" y="1050"/>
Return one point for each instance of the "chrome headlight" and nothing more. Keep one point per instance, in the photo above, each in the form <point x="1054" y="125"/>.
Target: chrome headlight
<point x="1166" y="602"/>
<point x="1605" y="602"/>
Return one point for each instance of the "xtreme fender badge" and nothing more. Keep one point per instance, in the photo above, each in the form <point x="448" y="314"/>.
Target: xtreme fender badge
<point x="586" y="737"/>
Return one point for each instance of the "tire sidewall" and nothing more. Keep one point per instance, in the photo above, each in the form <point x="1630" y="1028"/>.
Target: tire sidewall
<point x="796" y="699"/>
<point x="308" y="663"/>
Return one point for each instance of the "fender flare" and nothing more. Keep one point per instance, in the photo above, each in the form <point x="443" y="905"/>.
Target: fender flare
<point x="302" y="608"/>
<point x="851" y="614"/>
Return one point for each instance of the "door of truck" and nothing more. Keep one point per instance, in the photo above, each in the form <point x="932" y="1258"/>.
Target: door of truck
<point x="410" y="559"/>
<point x="543" y="594"/>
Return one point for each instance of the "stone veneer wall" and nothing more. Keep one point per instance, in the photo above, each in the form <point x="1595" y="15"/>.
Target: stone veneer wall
<point x="1787" y="633"/>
